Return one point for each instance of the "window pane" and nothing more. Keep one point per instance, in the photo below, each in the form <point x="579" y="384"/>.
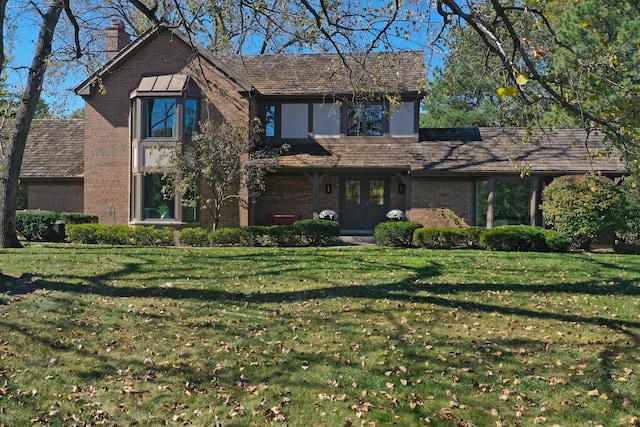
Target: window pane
<point x="155" y="205"/>
<point x="190" y="211"/>
<point x="159" y="116"/>
<point x="134" y="119"/>
<point x="354" y="121"/>
<point x="134" y="197"/>
<point x="374" y="116"/>
<point x="352" y="191"/>
<point x="376" y="193"/>
<point x="482" y="203"/>
<point x="365" y="120"/>
<point x="512" y="201"/>
<point x="270" y="121"/>
<point x="190" y="116"/>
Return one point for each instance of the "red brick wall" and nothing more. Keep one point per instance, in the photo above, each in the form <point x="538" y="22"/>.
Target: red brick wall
<point x="55" y="196"/>
<point x="285" y="194"/>
<point x="107" y="137"/>
<point x="454" y="194"/>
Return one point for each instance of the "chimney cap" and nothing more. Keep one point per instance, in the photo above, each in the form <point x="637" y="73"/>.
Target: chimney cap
<point x="117" y="22"/>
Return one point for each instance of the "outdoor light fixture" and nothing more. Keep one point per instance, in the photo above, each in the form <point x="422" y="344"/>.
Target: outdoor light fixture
<point x="327" y="188"/>
<point x="401" y="188"/>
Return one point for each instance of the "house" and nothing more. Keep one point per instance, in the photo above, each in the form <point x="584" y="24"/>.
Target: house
<point x="52" y="171"/>
<point x="351" y="124"/>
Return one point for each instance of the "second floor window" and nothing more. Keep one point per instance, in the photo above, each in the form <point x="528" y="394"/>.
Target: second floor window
<point x="365" y="120"/>
<point x="159" y="118"/>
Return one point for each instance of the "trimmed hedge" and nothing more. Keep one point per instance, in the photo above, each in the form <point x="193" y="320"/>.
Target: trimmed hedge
<point x="78" y="218"/>
<point x="318" y="231"/>
<point x="395" y="233"/>
<point x="235" y="236"/>
<point x="194" y="236"/>
<point x="36" y="224"/>
<point x="39" y="224"/>
<point x="83" y="233"/>
<point x="284" y="235"/>
<point x="524" y="238"/>
<point x="119" y="234"/>
<point x="448" y="238"/>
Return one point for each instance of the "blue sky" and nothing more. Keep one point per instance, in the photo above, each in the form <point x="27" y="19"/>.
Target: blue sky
<point x="59" y="94"/>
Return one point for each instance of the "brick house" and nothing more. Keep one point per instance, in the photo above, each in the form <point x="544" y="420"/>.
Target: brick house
<point x="352" y="128"/>
<point x="52" y="172"/>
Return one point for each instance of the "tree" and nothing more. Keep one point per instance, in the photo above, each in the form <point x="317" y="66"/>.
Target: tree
<point x="584" y="60"/>
<point x="217" y="164"/>
<point x="463" y="90"/>
<point x="584" y="206"/>
<point x="13" y="147"/>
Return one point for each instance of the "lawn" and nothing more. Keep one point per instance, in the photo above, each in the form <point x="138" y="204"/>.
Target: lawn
<point x="351" y="336"/>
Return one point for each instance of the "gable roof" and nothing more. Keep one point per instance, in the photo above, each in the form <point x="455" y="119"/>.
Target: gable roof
<point x="326" y="73"/>
<point x="86" y="87"/>
<point x="55" y="149"/>
<point x="473" y="151"/>
<point x="296" y="74"/>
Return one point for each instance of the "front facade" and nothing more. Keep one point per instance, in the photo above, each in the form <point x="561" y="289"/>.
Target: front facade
<point x="350" y="125"/>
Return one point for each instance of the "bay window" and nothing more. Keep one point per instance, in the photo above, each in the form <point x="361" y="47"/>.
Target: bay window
<point x="165" y="111"/>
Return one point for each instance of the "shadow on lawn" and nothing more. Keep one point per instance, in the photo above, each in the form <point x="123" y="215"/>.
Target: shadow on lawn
<point x="412" y="289"/>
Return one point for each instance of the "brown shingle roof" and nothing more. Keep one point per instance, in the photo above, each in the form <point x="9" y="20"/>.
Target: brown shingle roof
<point x="465" y="151"/>
<point x="55" y="149"/>
<point x="325" y="74"/>
<point x="503" y="149"/>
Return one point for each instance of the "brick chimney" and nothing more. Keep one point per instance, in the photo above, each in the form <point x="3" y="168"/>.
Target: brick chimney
<point x="117" y="38"/>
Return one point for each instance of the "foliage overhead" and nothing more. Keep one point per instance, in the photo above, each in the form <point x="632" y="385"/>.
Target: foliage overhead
<point x="581" y="56"/>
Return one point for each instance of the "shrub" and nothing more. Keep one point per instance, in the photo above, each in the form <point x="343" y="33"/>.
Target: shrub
<point x="233" y="236"/>
<point x="584" y="206"/>
<point x="150" y="236"/>
<point x="395" y="233"/>
<point x="36" y="224"/>
<point x="284" y="235"/>
<point x="556" y="241"/>
<point x="448" y="238"/>
<point x="83" y="233"/>
<point x="318" y="231"/>
<point x="194" y="236"/>
<point x="514" y="238"/>
<point x="117" y="234"/>
<point x="78" y="218"/>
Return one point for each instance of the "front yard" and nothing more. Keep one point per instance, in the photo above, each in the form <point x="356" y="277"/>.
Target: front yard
<point x="349" y="336"/>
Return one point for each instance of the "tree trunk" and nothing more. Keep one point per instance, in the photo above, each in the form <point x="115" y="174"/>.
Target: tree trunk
<point x="13" y="148"/>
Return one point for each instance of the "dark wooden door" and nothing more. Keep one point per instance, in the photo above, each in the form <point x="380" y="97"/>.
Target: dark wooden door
<point x="364" y="202"/>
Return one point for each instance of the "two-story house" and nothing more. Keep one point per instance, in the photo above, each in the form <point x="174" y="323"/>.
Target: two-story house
<point x="351" y="124"/>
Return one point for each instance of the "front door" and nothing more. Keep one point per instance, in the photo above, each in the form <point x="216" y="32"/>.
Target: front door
<point x="364" y="201"/>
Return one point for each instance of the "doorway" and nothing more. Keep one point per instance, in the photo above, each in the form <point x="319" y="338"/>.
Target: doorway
<point x="364" y="201"/>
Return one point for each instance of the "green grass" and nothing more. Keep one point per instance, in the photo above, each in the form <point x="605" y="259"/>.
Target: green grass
<point x="317" y="337"/>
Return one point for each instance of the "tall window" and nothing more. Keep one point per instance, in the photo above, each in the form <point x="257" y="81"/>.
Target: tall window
<point x="270" y="121"/>
<point x="365" y="120"/>
<point x="156" y="205"/>
<point x="511" y="201"/>
<point x="191" y="115"/>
